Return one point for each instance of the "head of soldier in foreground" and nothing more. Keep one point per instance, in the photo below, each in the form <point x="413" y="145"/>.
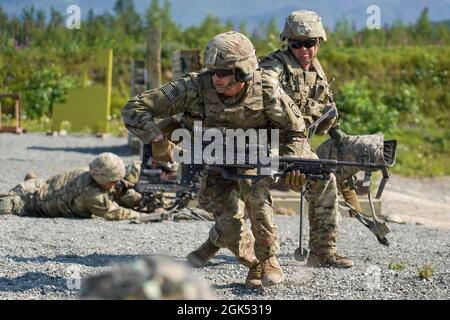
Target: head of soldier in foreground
<point x="106" y="169"/>
<point x="149" y="278"/>
<point x="231" y="57"/>
<point x="303" y="30"/>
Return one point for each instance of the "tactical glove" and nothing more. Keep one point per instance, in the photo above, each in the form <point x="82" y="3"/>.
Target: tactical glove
<point x="162" y="150"/>
<point x="295" y="180"/>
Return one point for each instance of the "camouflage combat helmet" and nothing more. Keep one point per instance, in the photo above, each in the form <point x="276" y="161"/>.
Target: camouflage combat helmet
<point x="231" y="50"/>
<point x="303" y="23"/>
<point x="107" y="167"/>
<point x="148" y="278"/>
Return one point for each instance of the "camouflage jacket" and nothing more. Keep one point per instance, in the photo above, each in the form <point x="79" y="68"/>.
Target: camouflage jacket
<point x="308" y="89"/>
<point x="124" y="192"/>
<point x="263" y="104"/>
<point x="76" y="194"/>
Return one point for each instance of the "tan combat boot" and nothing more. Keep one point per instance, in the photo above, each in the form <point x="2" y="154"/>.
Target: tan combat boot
<point x="200" y="257"/>
<point x="253" y="280"/>
<point x="328" y="260"/>
<point x="271" y="272"/>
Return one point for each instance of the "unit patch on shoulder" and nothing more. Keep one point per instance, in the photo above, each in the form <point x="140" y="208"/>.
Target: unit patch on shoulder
<point x="173" y="90"/>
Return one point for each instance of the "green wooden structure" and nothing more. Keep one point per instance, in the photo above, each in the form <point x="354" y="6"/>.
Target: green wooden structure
<point x="87" y="108"/>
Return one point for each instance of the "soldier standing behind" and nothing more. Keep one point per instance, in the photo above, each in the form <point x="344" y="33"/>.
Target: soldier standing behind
<point x="232" y="93"/>
<point x="303" y="79"/>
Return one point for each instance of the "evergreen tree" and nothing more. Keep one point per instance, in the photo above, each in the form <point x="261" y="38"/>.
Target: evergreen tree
<point x="443" y="34"/>
<point x="170" y="31"/>
<point x="399" y="33"/>
<point x="127" y="18"/>
<point x="4" y="32"/>
<point x="423" y="29"/>
<point x="153" y="15"/>
<point x="28" y="24"/>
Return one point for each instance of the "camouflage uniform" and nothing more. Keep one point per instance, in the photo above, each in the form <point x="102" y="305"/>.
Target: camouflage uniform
<point x="148" y="278"/>
<point x="261" y="104"/>
<point x="72" y="194"/>
<point x="126" y="195"/>
<point x="310" y="91"/>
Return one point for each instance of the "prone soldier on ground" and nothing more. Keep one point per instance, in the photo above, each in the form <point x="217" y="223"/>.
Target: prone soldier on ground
<point x="81" y="193"/>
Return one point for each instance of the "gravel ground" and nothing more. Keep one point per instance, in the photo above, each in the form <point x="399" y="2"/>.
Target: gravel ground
<point x="40" y="257"/>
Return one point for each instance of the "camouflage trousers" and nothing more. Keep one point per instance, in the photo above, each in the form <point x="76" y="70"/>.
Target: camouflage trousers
<point x="20" y="199"/>
<point x="323" y="214"/>
<point x="228" y="201"/>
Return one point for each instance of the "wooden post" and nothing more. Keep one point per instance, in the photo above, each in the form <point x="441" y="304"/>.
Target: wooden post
<point x="185" y="61"/>
<point x="17" y="126"/>
<point x="154" y="57"/>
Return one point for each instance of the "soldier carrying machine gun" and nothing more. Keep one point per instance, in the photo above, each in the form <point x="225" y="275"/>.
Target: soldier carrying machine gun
<point x="375" y="154"/>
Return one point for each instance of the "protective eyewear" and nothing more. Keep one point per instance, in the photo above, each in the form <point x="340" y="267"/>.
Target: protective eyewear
<point x="222" y="72"/>
<point x="307" y="44"/>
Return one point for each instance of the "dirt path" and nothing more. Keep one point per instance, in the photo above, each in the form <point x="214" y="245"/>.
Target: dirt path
<point x="419" y="200"/>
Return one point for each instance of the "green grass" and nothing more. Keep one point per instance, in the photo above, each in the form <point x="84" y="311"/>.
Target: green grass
<point x="422" y="151"/>
<point x="42" y="125"/>
<point x="399" y="266"/>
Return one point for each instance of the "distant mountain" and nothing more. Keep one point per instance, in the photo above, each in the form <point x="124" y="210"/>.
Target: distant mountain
<point x="443" y="22"/>
<point x="254" y="12"/>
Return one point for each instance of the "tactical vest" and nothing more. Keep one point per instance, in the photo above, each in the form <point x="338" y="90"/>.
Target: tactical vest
<point x="246" y="113"/>
<point x="300" y="84"/>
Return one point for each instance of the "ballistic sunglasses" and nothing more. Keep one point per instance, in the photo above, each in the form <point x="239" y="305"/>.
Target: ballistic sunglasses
<point x="222" y="72"/>
<point x="307" y="43"/>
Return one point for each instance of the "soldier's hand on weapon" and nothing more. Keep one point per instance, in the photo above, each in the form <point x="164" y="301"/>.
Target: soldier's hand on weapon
<point x="162" y="149"/>
<point x="125" y="184"/>
<point x="295" y="180"/>
<point x="121" y="187"/>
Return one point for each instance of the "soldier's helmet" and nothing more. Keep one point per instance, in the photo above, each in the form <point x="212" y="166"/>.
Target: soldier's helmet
<point x="303" y="23"/>
<point x="148" y="278"/>
<point x="107" y="167"/>
<point x="231" y="50"/>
